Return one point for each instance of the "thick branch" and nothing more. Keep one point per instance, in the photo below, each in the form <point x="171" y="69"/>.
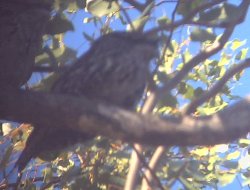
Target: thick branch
<point x="86" y="116"/>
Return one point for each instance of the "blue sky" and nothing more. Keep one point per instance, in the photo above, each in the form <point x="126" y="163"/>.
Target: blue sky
<point x="242" y="32"/>
<point x="77" y="41"/>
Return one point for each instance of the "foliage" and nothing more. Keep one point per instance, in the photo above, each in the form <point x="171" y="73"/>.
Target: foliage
<point x="103" y="163"/>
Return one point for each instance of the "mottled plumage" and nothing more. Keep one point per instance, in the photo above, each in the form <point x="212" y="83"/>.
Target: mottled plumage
<point x="114" y="70"/>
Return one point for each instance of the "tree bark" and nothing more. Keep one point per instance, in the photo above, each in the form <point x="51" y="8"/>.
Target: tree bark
<point x="81" y="114"/>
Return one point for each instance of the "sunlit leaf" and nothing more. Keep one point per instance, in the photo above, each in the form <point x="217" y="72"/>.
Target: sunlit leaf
<point x="138" y="23"/>
<point x="222" y="148"/>
<point x="163" y="20"/>
<point x="226" y="179"/>
<point x="7" y="128"/>
<point x="237" y="43"/>
<point x="244" y="162"/>
<point x="242" y="54"/>
<point x="244" y="142"/>
<point x="201" y="151"/>
<point x="101" y="7"/>
<point x="233" y="155"/>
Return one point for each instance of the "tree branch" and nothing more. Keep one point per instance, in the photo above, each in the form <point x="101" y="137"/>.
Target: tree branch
<point x="96" y="118"/>
<point x="217" y="86"/>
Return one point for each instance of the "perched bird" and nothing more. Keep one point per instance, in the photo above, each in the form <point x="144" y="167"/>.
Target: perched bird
<point x="115" y="71"/>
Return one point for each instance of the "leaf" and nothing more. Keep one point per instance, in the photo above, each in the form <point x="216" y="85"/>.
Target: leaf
<point x="81" y="3"/>
<point x="233" y="155"/>
<point x="198" y="92"/>
<point x="190" y="92"/>
<point x="244" y="143"/>
<point x="225" y="13"/>
<point x="6" y="128"/>
<point x="138" y="23"/>
<point x="162" y="21"/>
<point x="100" y="8"/>
<point x="201" y="35"/>
<point x="221" y="148"/>
<point x="244" y="162"/>
<point x="237" y="43"/>
<point x="186" y="56"/>
<point x="59" y="24"/>
<point x="62" y="55"/>
<point x="226" y="179"/>
<point x="182" y="88"/>
<point x="201" y="151"/>
<point x="72" y="8"/>
<point x="231" y="12"/>
<point x="168" y="100"/>
<point x="210" y="15"/>
<point x="185" y="7"/>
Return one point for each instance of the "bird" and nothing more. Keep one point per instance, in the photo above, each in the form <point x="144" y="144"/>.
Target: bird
<point x="115" y="71"/>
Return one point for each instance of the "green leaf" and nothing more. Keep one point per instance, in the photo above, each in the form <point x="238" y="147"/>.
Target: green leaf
<point x="168" y="100"/>
<point x="225" y="13"/>
<point x="62" y="55"/>
<point x="234" y="155"/>
<point x="198" y="92"/>
<point x="138" y="23"/>
<point x="59" y="24"/>
<point x="243" y="143"/>
<point x="100" y="8"/>
<point x="162" y="21"/>
<point x="185" y="7"/>
<point x="72" y="8"/>
<point x="190" y="92"/>
<point x="237" y="43"/>
<point x="210" y="15"/>
<point x="182" y="89"/>
<point x="224" y="60"/>
<point x="201" y="35"/>
<point x="226" y="178"/>
<point x="186" y="56"/>
<point x="81" y="3"/>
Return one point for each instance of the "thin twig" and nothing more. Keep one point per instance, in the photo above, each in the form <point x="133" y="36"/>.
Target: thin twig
<point x="149" y="173"/>
<point x="187" y="18"/>
<point x="217" y="86"/>
<point x="136" y="4"/>
<point x="152" y="172"/>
